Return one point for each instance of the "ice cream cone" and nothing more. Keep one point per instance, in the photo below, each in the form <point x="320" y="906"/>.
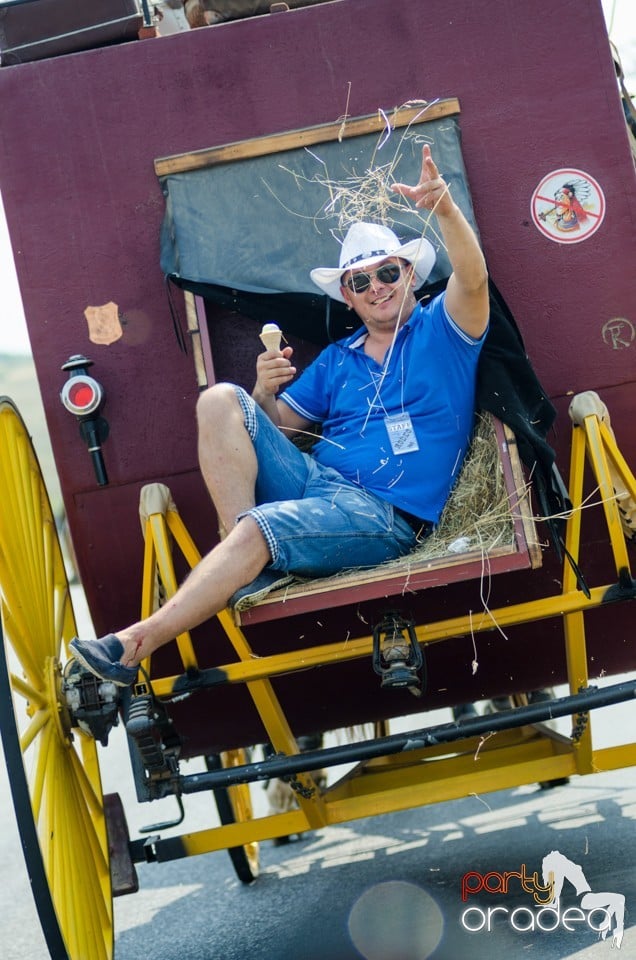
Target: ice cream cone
<point x="270" y="336"/>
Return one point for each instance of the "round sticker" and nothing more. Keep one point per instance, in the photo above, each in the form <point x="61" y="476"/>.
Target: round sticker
<point x="568" y="206"/>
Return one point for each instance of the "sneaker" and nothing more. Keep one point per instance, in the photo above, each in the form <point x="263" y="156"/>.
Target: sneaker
<point x="102" y="658"/>
<point x="264" y="583"/>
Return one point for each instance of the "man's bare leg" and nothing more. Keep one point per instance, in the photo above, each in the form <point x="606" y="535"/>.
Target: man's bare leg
<point x="226" y="455"/>
<point x="235" y="561"/>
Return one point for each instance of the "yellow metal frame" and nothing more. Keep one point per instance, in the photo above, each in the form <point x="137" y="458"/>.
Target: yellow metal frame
<point x="511" y="758"/>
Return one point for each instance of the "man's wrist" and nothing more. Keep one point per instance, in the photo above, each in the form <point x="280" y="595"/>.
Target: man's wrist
<point x="258" y="394"/>
<point x="449" y="210"/>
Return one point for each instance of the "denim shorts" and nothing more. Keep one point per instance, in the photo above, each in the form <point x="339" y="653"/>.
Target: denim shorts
<point x="314" y="521"/>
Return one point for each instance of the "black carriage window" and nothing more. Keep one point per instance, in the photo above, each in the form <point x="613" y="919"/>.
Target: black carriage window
<point x="244" y="223"/>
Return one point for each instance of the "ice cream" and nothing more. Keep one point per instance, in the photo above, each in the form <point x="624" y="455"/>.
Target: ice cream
<point x="270" y="336"/>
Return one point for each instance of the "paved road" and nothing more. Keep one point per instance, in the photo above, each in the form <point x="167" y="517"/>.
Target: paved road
<point x="387" y="888"/>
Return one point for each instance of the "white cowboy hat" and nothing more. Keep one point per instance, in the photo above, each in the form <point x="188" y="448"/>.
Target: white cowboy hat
<point x="367" y="243"/>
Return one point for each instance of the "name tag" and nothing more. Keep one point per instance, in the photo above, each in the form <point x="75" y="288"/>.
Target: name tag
<point x="401" y="433"/>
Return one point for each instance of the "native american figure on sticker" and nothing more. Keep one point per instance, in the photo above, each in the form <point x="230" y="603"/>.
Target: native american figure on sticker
<point x="556" y="868"/>
<point x="568" y="210"/>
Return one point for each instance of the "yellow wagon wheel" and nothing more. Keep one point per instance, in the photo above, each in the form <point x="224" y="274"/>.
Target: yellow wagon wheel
<point x="234" y="805"/>
<point x="53" y="768"/>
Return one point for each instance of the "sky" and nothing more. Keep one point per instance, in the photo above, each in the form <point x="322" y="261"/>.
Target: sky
<point x="619" y="16"/>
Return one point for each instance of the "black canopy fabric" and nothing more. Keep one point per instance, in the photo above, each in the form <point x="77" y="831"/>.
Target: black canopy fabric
<point x="508" y="387"/>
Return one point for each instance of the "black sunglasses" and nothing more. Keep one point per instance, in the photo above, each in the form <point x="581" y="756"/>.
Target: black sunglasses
<point x="359" y="282"/>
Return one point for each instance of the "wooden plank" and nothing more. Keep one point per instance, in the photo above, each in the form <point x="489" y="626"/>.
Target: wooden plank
<point x="309" y="136"/>
<point x="520" y="500"/>
<point x="360" y="586"/>
<point x="195" y="331"/>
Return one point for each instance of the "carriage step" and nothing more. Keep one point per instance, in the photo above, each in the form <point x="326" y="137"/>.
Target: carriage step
<point x="123" y="874"/>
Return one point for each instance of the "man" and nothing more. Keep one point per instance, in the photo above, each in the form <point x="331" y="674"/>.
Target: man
<point x="396" y="402"/>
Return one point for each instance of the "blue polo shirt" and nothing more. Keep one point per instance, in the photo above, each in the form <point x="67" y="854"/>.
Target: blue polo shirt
<point x="429" y="375"/>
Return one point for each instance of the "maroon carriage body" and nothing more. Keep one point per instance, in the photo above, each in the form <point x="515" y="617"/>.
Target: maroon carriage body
<point x="78" y="140"/>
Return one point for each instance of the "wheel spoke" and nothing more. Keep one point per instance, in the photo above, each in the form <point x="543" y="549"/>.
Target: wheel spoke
<point x="90" y="798"/>
<point x="37" y="723"/>
<point x="30" y="565"/>
<point x="49" y="558"/>
<point x="75" y="862"/>
<point x="63" y="614"/>
<point x="57" y="855"/>
<point x="26" y="690"/>
<point x="90" y="765"/>
<point x="92" y="853"/>
<point x="17" y="633"/>
<point x="86" y="859"/>
<point x="39" y="771"/>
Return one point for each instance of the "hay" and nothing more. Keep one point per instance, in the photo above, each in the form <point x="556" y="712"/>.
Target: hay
<point x="478" y="509"/>
<point x="369" y="195"/>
